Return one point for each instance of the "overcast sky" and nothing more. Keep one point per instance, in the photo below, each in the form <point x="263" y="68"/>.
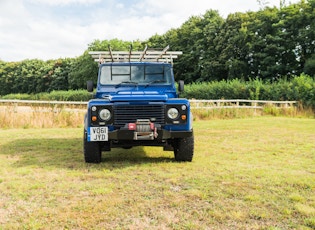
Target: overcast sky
<point x="52" y="29"/>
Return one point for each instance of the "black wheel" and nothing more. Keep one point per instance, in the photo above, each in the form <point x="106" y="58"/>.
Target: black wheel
<point x="184" y="149"/>
<point x="127" y="147"/>
<point x="92" y="151"/>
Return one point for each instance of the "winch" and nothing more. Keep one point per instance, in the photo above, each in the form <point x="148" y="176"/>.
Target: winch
<point x="144" y="129"/>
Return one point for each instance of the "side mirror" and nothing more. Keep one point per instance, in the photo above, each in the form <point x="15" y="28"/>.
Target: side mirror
<point x="90" y="86"/>
<point x="181" y="86"/>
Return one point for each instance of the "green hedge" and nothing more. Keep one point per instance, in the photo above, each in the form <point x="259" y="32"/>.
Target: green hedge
<point x="300" y="89"/>
<point x="71" y="95"/>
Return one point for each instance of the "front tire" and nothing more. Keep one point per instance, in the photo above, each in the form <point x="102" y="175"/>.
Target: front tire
<point x="184" y="149"/>
<point x="92" y="150"/>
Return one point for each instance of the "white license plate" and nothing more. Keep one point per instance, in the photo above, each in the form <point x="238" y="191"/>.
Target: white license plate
<point x="98" y="134"/>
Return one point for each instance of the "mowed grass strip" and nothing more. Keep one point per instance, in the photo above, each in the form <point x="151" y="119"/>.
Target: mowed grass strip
<point x="254" y="173"/>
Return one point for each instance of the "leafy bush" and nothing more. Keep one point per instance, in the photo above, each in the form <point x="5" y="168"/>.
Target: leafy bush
<point x="301" y="88"/>
<point x="71" y="95"/>
<point x="18" y="96"/>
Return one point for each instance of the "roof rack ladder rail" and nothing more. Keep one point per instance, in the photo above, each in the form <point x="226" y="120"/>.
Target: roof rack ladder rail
<point x="162" y="53"/>
<point x="143" y="53"/>
<point x="110" y="53"/>
<point x="130" y="52"/>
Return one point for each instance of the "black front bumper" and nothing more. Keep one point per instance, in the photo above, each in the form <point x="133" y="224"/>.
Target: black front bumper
<point x="125" y="134"/>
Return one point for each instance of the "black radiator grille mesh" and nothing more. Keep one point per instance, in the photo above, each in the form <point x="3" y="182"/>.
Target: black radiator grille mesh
<point x="124" y="114"/>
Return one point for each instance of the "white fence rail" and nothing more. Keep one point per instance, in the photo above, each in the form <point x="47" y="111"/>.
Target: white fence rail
<point x="195" y="104"/>
<point x="239" y="103"/>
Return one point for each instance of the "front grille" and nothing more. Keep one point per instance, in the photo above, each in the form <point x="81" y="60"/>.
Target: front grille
<point x="124" y="114"/>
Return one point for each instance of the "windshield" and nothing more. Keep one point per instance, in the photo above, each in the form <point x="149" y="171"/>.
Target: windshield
<point x="135" y="74"/>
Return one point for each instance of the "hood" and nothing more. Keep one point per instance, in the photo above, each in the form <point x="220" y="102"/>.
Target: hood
<point x="137" y="96"/>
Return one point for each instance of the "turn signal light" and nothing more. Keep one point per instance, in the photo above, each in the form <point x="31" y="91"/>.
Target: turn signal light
<point x="184" y="117"/>
<point x="94" y="118"/>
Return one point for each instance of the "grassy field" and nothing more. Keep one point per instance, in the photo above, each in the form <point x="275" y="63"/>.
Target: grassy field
<point x="251" y="173"/>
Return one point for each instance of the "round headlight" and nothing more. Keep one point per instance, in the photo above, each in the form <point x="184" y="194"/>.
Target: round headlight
<point x="172" y="113"/>
<point x="105" y="114"/>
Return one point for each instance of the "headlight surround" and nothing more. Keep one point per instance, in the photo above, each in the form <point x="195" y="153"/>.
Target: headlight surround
<point x="105" y="114"/>
<point x="172" y="113"/>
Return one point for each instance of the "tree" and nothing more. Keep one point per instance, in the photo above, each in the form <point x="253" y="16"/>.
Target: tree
<point x="210" y="65"/>
<point x="84" y="68"/>
<point x="309" y="67"/>
<point x="269" y="44"/>
<point x="232" y="47"/>
<point x="115" y="44"/>
<point x="59" y="74"/>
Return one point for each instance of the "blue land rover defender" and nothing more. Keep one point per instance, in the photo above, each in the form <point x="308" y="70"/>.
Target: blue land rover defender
<point x="136" y="104"/>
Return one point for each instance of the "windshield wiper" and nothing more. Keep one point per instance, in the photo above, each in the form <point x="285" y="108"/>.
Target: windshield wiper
<point x="126" y="82"/>
<point x="156" y="81"/>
